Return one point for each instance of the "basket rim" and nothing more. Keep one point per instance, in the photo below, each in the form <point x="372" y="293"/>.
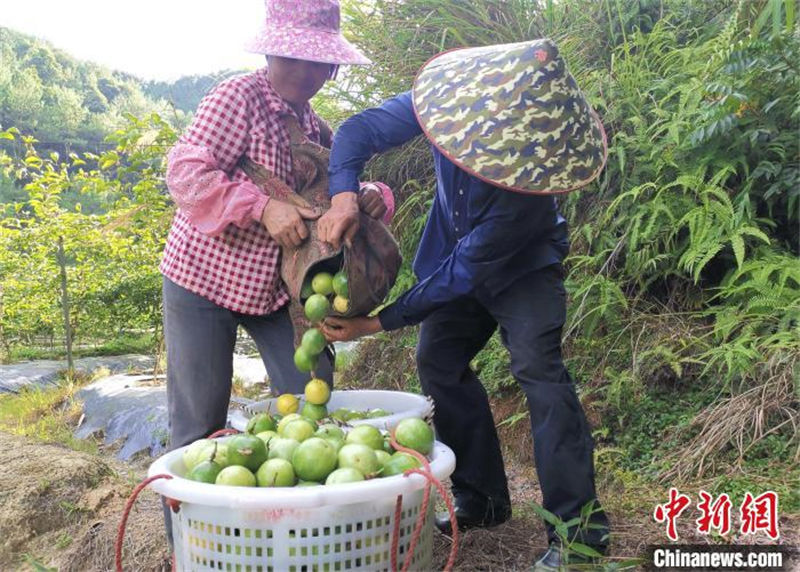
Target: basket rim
<point x="442" y="463"/>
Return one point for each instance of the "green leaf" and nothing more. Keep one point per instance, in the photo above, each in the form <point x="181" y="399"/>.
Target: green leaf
<point x="36" y="565"/>
<point x="627" y="564"/>
<point x="545" y="514"/>
<point x="737" y="243"/>
<point x="584" y="550"/>
<point x="755" y="232"/>
<point x="761" y="20"/>
<point x="776" y="17"/>
<point x="573" y="522"/>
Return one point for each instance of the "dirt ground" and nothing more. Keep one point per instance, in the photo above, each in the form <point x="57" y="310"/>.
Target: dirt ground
<point x="60" y="510"/>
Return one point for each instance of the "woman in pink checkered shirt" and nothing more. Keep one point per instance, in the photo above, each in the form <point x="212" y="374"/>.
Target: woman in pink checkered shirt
<point x="222" y="258"/>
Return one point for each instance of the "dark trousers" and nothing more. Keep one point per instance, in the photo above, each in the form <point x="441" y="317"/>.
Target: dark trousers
<point x="530" y="313"/>
<point x="200" y="339"/>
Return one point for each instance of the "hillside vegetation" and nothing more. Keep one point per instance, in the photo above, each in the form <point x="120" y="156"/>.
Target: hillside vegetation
<point x="684" y="275"/>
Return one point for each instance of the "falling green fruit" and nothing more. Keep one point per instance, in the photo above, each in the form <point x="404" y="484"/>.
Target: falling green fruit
<point x="304" y="361"/>
<point x="313" y="341"/>
<point x="415" y="434"/>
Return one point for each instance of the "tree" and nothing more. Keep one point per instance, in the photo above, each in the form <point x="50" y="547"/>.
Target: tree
<point x="110" y="254"/>
<point x="62" y="113"/>
<point x="23" y="101"/>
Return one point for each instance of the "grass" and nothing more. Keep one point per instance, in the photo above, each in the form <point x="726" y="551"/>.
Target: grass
<point x="47" y="414"/>
<point x="141" y="343"/>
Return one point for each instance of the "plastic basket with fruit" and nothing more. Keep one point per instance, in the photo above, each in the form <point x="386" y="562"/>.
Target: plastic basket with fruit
<point x="292" y="492"/>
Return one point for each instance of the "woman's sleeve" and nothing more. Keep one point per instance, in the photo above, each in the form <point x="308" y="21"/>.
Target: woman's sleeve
<point x="388" y="199"/>
<point x="198" y="166"/>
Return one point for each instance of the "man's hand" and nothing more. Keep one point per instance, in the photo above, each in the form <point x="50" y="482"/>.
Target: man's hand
<point x="341" y="221"/>
<point x="284" y="222"/>
<point x="346" y="329"/>
<point x="370" y="200"/>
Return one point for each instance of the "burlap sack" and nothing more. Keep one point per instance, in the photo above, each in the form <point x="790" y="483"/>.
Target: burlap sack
<point x="371" y="262"/>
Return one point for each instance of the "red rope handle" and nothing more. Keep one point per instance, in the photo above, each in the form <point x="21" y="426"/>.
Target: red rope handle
<point x="222" y="432"/>
<point x="398" y="508"/>
<point x="126" y="513"/>
<point x="425" y="472"/>
<point x="172" y="503"/>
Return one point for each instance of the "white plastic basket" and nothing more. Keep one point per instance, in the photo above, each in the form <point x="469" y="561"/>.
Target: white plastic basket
<point x="401" y="405"/>
<point x="306" y="529"/>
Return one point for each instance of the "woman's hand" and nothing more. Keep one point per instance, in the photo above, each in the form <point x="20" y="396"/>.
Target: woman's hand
<point x="370" y="200"/>
<point x="285" y="222"/>
<point x="346" y="329"/>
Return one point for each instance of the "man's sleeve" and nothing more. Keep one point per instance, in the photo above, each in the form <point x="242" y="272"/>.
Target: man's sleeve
<point x="510" y="222"/>
<point x="372" y="131"/>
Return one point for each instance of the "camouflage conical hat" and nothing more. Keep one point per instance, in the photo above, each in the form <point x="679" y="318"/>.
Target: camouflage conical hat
<point x="511" y="115"/>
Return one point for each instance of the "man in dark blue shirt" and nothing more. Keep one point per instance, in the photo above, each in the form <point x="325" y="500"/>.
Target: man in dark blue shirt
<point x="490" y="256"/>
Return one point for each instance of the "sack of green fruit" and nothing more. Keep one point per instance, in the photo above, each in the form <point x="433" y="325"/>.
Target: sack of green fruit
<point x="369" y="265"/>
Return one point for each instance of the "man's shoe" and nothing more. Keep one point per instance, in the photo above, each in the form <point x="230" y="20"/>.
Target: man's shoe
<point x="473" y="514"/>
<point x="550" y="561"/>
<point x="554" y="561"/>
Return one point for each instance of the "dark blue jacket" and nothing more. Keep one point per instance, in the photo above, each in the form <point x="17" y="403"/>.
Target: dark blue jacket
<point x="478" y="238"/>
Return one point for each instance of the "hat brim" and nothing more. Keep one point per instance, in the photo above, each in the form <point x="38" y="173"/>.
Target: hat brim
<point x="307" y="44"/>
<point x="511" y="115"/>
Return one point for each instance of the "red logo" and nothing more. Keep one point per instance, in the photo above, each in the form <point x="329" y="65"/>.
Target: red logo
<point x="760" y="513"/>
<point x="671" y="510"/>
<point x="757" y="513"/>
<point x="715" y="514"/>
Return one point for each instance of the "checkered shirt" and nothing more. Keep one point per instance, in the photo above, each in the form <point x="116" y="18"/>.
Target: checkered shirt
<point x="217" y="246"/>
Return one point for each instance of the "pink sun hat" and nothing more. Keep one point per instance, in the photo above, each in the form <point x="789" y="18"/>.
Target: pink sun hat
<point x="305" y="30"/>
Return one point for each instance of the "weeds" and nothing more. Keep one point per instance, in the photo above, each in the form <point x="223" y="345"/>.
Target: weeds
<point x="683" y="280"/>
<point x="46" y="414"/>
<point x="576" y="555"/>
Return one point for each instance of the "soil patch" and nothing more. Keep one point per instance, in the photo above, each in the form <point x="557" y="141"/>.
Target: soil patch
<point x="60" y="509"/>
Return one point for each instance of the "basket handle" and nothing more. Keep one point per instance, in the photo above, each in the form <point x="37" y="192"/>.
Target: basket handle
<point x="222" y="432"/>
<point x="432" y="480"/>
<point x="125" y="513"/>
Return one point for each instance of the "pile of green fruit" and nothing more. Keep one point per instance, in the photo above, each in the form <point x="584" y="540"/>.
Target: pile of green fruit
<point x="323" y="292"/>
<point x="297" y="451"/>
